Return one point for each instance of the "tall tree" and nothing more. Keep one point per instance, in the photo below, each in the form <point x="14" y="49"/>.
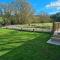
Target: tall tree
<point x="22" y="10"/>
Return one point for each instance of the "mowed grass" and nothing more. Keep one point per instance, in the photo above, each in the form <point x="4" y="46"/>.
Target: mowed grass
<point x="19" y="45"/>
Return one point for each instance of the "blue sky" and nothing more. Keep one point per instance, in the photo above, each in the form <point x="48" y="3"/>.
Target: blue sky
<point x="5" y="1"/>
<point x="48" y="6"/>
<point x="40" y="6"/>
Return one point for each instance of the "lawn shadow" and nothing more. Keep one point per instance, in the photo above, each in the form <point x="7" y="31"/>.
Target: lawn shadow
<point x="36" y="49"/>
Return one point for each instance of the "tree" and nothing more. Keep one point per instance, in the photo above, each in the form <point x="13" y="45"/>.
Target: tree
<point x="26" y="11"/>
<point x="44" y="17"/>
<point x="22" y="11"/>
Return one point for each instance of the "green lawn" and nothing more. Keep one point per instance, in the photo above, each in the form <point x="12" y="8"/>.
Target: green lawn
<point x="15" y="45"/>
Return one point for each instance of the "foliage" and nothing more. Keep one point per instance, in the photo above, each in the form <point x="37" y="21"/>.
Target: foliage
<point x="56" y="17"/>
<point x="1" y="21"/>
<point x="20" y="9"/>
<point x="21" y="12"/>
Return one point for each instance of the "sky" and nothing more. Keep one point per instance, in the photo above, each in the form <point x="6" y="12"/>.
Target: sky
<point x="48" y="6"/>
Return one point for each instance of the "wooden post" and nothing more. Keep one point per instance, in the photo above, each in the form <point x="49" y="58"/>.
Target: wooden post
<point x="53" y="28"/>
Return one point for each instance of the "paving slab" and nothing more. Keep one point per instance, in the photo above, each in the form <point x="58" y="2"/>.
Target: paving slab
<point x="55" y="42"/>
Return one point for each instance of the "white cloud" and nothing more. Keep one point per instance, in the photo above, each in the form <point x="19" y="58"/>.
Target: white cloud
<point x="55" y="4"/>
